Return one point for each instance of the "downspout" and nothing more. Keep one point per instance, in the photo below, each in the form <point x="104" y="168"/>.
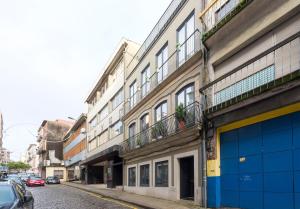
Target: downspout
<point x="203" y="151"/>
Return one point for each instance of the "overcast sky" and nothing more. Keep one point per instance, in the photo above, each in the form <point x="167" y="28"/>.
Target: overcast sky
<point x="52" y="52"/>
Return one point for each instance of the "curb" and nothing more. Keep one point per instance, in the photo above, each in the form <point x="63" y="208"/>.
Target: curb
<point x="107" y="196"/>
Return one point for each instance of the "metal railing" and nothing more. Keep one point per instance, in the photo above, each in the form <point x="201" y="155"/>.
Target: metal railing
<point x="216" y="10"/>
<point x="164" y="128"/>
<point x="180" y="56"/>
<point x="276" y="63"/>
<point x="165" y="19"/>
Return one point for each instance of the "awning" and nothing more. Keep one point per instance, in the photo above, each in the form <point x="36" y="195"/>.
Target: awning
<point x="107" y="154"/>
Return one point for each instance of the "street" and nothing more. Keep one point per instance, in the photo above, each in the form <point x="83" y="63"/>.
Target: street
<point x="64" y="197"/>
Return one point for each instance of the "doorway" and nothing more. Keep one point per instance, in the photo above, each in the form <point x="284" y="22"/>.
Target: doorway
<point x="187" y="178"/>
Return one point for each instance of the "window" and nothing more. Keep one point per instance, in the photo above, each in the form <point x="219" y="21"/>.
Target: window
<point x="58" y="173"/>
<point x="161" y="174"/>
<point x="162" y="64"/>
<point x="116" y="129"/>
<point x="117" y="99"/>
<point x="93" y="122"/>
<point x="131" y="135"/>
<point x="145" y="81"/>
<point x="131" y="176"/>
<point x="93" y="144"/>
<point x="185" y="96"/>
<point x="161" y="111"/>
<point x="103" y="137"/>
<point x="185" y="40"/>
<point x="144" y="175"/>
<point x="144" y="125"/>
<point x="132" y="94"/>
<point x="103" y="113"/>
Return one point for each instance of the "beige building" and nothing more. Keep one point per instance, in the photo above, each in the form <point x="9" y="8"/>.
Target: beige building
<point x="104" y="125"/>
<point x="32" y="158"/>
<point x="50" y="148"/>
<point x="162" y="151"/>
<point x="253" y="106"/>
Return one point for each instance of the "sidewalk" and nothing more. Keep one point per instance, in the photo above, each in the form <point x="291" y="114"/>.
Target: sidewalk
<point x="139" y="200"/>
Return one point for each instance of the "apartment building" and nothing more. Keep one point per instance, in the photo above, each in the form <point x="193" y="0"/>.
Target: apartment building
<point x="32" y="159"/>
<point x="50" y="147"/>
<point x="74" y="149"/>
<point x="104" y="120"/>
<point x="253" y="103"/>
<point x="162" y="151"/>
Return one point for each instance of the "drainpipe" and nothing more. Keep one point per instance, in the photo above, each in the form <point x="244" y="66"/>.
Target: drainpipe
<point x="203" y="151"/>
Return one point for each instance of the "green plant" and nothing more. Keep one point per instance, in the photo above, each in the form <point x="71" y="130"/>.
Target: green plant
<point x="159" y="130"/>
<point x="180" y="113"/>
<point x="138" y="140"/>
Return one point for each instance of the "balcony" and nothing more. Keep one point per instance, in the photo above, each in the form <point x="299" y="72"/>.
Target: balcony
<point x="162" y="23"/>
<point x="273" y="68"/>
<point x="175" y="62"/>
<point x="218" y="13"/>
<point x="174" y="124"/>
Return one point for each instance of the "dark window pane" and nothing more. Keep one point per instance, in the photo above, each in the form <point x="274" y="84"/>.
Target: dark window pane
<point x="144" y="175"/>
<point x="161" y="174"/>
<point x="131" y="176"/>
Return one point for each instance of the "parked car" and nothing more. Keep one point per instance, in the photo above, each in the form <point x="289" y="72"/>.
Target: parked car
<point x="17" y="179"/>
<point x="24" y="177"/>
<point x="35" y="181"/>
<point x="13" y="196"/>
<point x="52" y="180"/>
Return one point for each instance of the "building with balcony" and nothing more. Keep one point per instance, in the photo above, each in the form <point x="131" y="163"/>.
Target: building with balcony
<point x="104" y="120"/>
<point x="74" y="149"/>
<point x="32" y="158"/>
<point x="162" y="120"/>
<point x="4" y="153"/>
<point x="50" y="148"/>
<point x="252" y="103"/>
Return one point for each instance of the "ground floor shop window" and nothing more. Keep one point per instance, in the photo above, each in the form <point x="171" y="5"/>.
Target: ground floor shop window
<point x="161" y="174"/>
<point x="144" y="175"/>
<point x="58" y="173"/>
<point x="131" y="176"/>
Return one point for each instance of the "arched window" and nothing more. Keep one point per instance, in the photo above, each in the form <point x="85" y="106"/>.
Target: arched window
<point x="144" y="121"/>
<point x="161" y="111"/>
<point x="186" y="95"/>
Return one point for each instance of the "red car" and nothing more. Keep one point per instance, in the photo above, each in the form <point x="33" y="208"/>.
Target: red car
<point x="35" y="181"/>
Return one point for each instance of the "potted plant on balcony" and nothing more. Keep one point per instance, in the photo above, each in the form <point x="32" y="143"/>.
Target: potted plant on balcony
<point x="159" y="130"/>
<point x="138" y="141"/>
<point x="180" y="116"/>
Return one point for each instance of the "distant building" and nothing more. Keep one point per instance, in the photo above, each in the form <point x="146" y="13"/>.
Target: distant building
<point x="74" y="149"/>
<point x="31" y="158"/>
<point x="50" y="148"/>
<point x="4" y="153"/>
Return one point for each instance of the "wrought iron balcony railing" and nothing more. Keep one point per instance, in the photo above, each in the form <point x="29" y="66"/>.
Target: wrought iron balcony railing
<point x="168" y="126"/>
<point x="273" y="67"/>
<point x="180" y="56"/>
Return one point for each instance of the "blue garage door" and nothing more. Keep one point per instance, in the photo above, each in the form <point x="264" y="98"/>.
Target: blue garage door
<point x="260" y="165"/>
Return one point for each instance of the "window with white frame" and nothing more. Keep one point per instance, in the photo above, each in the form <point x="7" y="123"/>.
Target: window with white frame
<point x="145" y="80"/>
<point x="131" y="133"/>
<point x="117" y="99"/>
<point x="93" y="144"/>
<point x="131" y="176"/>
<point x="116" y="129"/>
<point x="161" y="174"/>
<point x="132" y="94"/>
<point x="93" y="122"/>
<point x="162" y="64"/>
<point x="185" y="96"/>
<point x="185" y="40"/>
<point x="103" y="137"/>
<point x="103" y="113"/>
<point x="144" y="175"/>
<point x="161" y="111"/>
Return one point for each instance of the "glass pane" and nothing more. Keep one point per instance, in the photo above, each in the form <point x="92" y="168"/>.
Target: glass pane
<point x="189" y="95"/>
<point x="164" y="62"/>
<point x="180" y="98"/>
<point x="181" y="46"/>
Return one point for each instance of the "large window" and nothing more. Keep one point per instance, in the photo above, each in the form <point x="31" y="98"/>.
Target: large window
<point x="144" y="126"/>
<point x="185" y="39"/>
<point x="117" y="99"/>
<point x="131" y="135"/>
<point x="93" y="122"/>
<point x="116" y="129"/>
<point x="144" y="175"/>
<point x="93" y="144"/>
<point x="185" y="96"/>
<point x="162" y="64"/>
<point x="103" y="113"/>
<point x="161" y="174"/>
<point x="145" y="80"/>
<point x="132" y="94"/>
<point x="103" y="138"/>
<point x="161" y="111"/>
<point x="225" y="9"/>
<point x="131" y="176"/>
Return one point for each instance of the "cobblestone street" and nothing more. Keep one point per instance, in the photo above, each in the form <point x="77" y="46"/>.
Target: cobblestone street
<point x="64" y="197"/>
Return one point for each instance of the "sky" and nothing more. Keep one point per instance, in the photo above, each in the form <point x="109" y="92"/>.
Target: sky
<point x="51" y="55"/>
